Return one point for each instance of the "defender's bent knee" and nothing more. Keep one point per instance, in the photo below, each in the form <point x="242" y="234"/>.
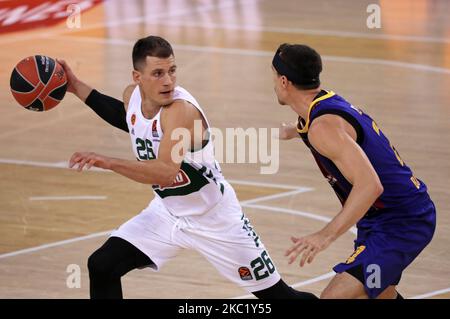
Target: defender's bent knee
<point x="344" y="286"/>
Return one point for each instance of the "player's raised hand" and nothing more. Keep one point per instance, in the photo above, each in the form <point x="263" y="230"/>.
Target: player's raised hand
<point x="309" y="246"/>
<point x="287" y="131"/>
<point x="88" y="159"/>
<point x="75" y="85"/>
<point x="71" y="78"/>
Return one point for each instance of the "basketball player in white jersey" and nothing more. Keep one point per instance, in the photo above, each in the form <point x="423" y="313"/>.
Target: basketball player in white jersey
<point x="194" y="206"/>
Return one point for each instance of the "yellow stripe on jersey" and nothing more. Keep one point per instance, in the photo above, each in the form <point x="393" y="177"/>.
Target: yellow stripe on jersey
<point x="311" y="106"/>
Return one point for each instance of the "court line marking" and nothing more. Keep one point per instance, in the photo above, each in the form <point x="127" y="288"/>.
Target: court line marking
<point x="298" y="284"/>
<point x="276" y="196"/>
<point x="55" y="244"/>
<point x="332" y="273"/>
<point x="61" y="164"/>
<point x="65" y="165"/>
<point x="431" y="294"/>
<point x="314" y="280"/>
<point x="318" y="217"/>
<point x="34" y="163"/>
<point x="253" y="183"/>
<point x="261" y="53"/>
<point x="333" y="33"/>
<point x="57" y="198"/>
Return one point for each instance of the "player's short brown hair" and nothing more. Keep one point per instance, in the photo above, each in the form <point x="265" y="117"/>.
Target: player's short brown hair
<point x="150" y="46"/>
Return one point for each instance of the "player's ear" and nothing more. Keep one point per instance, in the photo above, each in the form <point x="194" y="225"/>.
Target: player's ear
<point x="136" y="76"/>
<point x="284" y="81"/>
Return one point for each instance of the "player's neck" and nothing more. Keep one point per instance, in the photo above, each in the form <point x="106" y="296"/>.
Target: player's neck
<point x="301" y="100"/>
<point x="149" y="108"/>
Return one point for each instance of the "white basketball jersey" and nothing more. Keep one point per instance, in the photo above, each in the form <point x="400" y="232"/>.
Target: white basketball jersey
<point x="198" y="186"/>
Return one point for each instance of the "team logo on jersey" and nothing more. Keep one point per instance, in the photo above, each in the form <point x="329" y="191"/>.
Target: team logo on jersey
<point x="154" y="128"/>
<point x="181" y="180"/>
<point x="133" y="119"/>
<point x="245" y="273"/>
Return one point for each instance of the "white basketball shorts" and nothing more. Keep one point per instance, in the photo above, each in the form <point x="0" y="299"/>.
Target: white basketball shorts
<point x="223" y="235"/>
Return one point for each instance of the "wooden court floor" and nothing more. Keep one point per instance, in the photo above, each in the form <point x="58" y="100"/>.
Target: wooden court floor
<point x="52" y="217"/>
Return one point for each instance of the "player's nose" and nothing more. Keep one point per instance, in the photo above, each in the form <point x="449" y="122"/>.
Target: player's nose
<point x="167" y="80"/>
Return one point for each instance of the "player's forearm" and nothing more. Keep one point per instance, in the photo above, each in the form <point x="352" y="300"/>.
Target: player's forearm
<point x="154" y="172"/>
<point x="292" y="130"/>
<point x="361" y="198"/>
<point x="108" y="108"/>
<point x="288" y="131"/>
<point x="82" y="90"/>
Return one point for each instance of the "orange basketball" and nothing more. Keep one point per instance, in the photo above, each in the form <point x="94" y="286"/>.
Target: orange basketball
<point x="38" y="83"/>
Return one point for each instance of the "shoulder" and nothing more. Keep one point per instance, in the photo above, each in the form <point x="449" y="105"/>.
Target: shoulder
<point x="127" y="94"/>
<point x="180" y="106"/>
<point x="181" y="112"/>
<point x="331" y="126"/>
<point x="328" y="134"/>
<point x="325" y="124"/>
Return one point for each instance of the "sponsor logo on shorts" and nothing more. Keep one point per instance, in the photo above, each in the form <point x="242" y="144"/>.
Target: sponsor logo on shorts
<point x="245" y="273"/>
<point x="358" y="251"/>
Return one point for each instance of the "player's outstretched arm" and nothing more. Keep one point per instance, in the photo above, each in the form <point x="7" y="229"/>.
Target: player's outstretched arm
<point x="329" y="136"/>
<point x="108" y="108"/>
<point x="287" y="131"/>
<point x="161" y="171"/>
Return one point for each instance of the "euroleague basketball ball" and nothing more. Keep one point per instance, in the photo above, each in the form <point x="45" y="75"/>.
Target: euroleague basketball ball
<point x="38" y="83"/>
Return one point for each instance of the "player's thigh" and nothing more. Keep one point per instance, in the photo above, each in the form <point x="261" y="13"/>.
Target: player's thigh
<point x="230" y="243"/>
<point x="344" y="286"/>
<point x="152" y="233"/>
<point x="227" y="239"/>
